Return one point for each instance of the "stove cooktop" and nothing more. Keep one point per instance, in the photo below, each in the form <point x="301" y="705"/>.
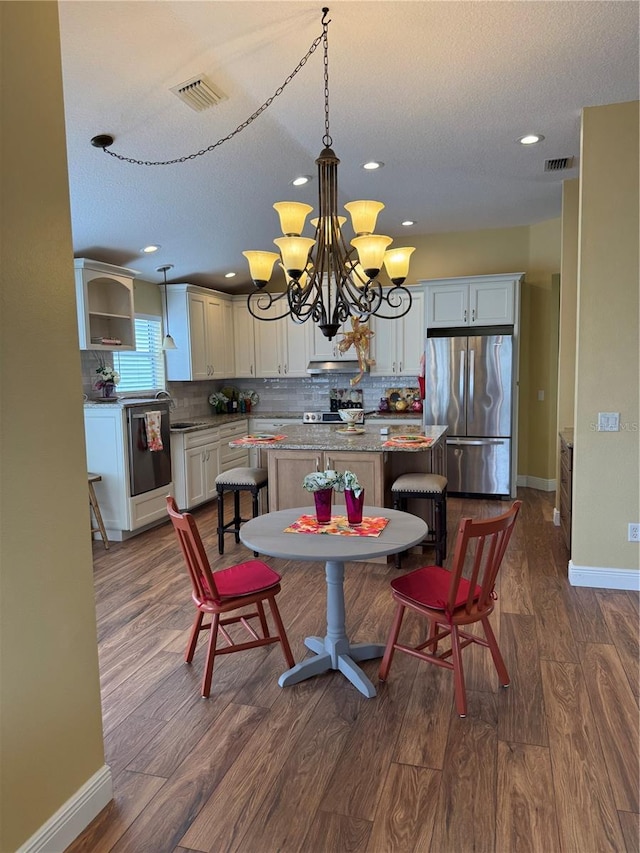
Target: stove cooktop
<point x="326" y="417"/>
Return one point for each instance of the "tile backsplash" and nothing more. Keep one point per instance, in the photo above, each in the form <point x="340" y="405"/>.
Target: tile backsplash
<point x="191" y="399"/>
<point x="281" y="395"/>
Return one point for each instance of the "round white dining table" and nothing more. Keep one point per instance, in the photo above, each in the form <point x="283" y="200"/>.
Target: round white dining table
<point x="265" y="534"/>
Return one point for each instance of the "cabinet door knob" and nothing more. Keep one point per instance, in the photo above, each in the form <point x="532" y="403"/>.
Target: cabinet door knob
<point x="473" y="315"/>
<point x="465" y="315"/>
<point x="400" y="368"/>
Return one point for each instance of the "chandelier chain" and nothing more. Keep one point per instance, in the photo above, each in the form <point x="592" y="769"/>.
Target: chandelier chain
<point x="252" y="117"/>
<point x="326" y="140"/>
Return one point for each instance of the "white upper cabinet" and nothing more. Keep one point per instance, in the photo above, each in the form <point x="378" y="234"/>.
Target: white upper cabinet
<point x="104" y="299"/>
<point x="485" y="300"/>
<point x="397" y="344"/>
<point x="201" y="325"/>
<point x="244" y="337"/>
<point x="281" y="346"/>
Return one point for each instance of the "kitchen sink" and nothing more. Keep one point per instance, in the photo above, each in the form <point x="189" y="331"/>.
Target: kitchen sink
<point x="187" y="424"/>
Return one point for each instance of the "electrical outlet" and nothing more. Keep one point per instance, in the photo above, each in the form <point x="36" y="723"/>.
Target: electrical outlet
<point x="634" y="533"/>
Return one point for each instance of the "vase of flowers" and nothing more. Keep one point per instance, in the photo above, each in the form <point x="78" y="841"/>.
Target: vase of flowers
<point x="353" y="497"/>
<point x="107" y="379"/>
<point x="322" y="484"/>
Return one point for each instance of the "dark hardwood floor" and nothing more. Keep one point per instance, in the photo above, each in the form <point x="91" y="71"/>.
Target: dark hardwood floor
<point x="549" y="764"/>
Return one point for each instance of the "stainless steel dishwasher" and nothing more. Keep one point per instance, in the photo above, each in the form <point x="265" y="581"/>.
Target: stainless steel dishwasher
<point x="148" y="469"/>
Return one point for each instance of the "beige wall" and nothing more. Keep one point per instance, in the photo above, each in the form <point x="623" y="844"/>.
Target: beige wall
<point x="50" y="726"/>
<point x="568" y="313"/>
<point x="606" y="464"/>
<point x="147" y="298"/>
<point x="540" y="358"/>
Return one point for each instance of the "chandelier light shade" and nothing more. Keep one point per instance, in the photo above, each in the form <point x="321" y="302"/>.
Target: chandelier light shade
<point x="364" y="215"/>
<point x="261" y="266"/>
<point x="293" y="215"/>
<point x="396" y="263"/>
<point x="328" y="279"/>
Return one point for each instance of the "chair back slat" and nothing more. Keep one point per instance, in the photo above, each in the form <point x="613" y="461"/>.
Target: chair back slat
<point x="202" y="582"/>
<point x="490" y="538"/>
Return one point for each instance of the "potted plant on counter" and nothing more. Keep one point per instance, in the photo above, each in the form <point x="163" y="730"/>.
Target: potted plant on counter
<point x="107" y="379"/>
<point x="322" y="484"/>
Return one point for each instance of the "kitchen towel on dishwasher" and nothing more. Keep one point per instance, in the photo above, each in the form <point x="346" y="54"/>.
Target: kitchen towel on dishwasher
<point x="152" y="424"/>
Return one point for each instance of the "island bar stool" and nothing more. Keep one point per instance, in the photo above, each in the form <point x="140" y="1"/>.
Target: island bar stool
<point x="431" y="487"/>
<point x="237" y="480"/>
<point x="93" y="502"/>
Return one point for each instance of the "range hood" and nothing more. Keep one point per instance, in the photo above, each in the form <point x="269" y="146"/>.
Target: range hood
<point x="336" y="366"/>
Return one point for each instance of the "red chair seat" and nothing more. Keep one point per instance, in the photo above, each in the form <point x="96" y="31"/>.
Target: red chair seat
<point x="429" y="587"/>
<point x="218" y="594"/>
<point x="245" y="579"/>
<point x="449" y="601"/>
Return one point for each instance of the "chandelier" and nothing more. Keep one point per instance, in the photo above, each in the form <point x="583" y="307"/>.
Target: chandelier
<point x="328" y="280"/>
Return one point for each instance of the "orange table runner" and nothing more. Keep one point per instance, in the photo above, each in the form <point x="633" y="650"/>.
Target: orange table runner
<point x="409" y="444"/>
<point x="339" y="526"/>
<point x="256" y="439"/>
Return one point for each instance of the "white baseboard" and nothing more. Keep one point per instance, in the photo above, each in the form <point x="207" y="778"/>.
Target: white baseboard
<point x="556" y="517"/>
<point x="603" y="578"/>
<point x="528" y="482"/>
<point x="75" y="815"/>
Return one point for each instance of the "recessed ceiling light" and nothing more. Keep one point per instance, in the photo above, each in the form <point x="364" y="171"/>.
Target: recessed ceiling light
<point x="372" y="164"/>
<point x="530" y="139"/>
<point x="408" y="222"/>
<point x="229" y="275"/>
<point x="149" y="249"/>
<point x="301" y="180"/>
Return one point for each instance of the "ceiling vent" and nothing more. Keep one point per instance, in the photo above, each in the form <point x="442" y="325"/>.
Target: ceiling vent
<point x="198" y="93"/>
<point x="559" y="164"/>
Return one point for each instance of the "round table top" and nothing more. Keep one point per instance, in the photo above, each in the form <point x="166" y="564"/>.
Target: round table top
<point x="266" y="535"/>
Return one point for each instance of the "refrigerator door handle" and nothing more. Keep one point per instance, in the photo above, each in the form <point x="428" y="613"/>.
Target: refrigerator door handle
<point x="475" y="442"/>
<point x="472" y="371"/>
<point x="461" y="376"/>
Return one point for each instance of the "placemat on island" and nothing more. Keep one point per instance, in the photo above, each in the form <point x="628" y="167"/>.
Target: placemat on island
<point x="339" y="526"/>
<point x="253" y="439"/>
<point x="416" y="442"/>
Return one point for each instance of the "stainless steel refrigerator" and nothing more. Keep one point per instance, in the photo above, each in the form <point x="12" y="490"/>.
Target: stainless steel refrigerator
<point x="469" y="385"/>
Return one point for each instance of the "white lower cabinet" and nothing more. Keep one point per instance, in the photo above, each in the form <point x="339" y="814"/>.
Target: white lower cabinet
<point x="198" y="457"/>
<point x="201" y="469"/>
<point x="107" y="455"/>
<point x="194" y="461"/>
<point x="232" y="457"/>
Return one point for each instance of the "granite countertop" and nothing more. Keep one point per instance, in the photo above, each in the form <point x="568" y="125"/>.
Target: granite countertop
<point x="208" y="421"/>
<point x="326" y="437"/>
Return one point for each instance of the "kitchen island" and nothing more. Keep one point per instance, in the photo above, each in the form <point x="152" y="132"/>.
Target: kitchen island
<point x="366" y="452"/>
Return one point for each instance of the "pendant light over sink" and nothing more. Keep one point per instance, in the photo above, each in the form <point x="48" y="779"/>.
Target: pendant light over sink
<point x="168" y="342"/>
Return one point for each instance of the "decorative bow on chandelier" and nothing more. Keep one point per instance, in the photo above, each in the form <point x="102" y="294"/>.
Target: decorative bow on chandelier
<point x="327" y="281"/>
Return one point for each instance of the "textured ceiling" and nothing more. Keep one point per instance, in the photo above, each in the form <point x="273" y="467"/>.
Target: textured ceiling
<point x="438" y="91"/>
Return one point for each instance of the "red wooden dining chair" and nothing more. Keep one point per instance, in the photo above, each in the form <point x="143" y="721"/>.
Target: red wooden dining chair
<point x="449" y="600"/>
<point x="223" y="591"/>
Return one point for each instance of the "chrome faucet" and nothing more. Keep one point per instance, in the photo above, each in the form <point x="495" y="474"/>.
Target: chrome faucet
<point x="165" y="395"/>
